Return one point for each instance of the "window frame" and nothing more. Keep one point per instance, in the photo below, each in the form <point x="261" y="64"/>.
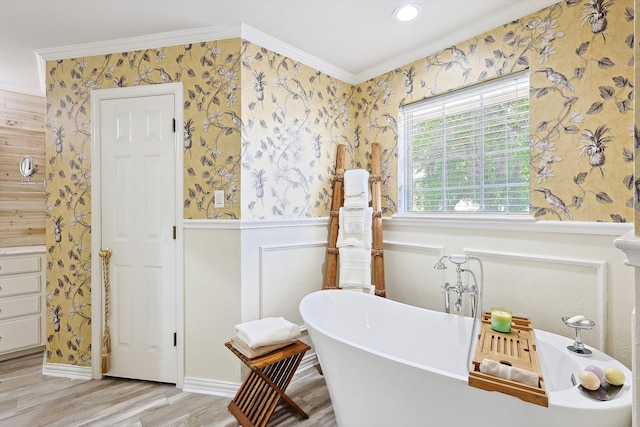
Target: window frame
<point x="404" y="155"/>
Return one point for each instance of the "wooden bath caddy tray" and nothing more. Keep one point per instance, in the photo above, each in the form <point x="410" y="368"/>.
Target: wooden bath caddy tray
<point x="518" y="349"/>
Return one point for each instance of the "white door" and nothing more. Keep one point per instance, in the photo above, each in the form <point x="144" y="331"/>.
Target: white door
<point x="138" y="219"/>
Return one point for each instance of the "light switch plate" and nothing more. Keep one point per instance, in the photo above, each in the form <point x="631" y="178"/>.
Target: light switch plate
<point x="219" y="198"/>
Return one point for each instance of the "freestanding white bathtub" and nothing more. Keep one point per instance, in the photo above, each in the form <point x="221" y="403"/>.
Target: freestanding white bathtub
<point x="392" y="364"/>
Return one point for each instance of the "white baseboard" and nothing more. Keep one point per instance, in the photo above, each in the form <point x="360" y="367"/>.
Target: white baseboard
<point x="310" y="360"/>
<point x="67" y="371"/>
<point x="212" y="387"/>
<point x="229" y="389"/>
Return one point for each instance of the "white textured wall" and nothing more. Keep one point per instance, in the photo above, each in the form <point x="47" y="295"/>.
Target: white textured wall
<point x="212" y="268"/>
<point x="282" y="261"/>
<point x="244" y="270"/>
<point x="237" y="271"/>
<point x="539" y="270"/>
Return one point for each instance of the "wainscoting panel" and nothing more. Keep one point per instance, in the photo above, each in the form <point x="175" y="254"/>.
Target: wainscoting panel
<point x="287" y="274"/>
<point x="212" y="301"/>
<point x="410" y="276"/>
<point x="544" y="270"/>
<point x="532" y="285"/>
<point x="240" y="271"/>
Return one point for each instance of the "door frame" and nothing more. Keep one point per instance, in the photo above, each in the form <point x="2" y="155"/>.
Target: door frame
<point x="97" y="300"/>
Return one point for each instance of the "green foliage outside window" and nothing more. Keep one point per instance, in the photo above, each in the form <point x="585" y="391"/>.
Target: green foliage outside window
<point x="469" y="159"/>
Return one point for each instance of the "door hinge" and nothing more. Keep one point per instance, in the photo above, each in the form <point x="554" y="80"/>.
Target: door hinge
<point x="174" y="125"/>
<point x="174" y="232"/>
<point x="175" y="339"/>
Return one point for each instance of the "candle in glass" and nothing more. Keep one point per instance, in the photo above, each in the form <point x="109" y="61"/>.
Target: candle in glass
<point x="501" y="320"/>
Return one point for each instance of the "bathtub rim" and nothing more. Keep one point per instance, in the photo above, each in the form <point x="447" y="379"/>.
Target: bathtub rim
<point x="569" y="397"/>
<point x="374" y="351"/>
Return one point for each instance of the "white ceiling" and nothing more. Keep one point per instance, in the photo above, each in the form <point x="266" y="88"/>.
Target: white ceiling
<point x="358" y="38"/>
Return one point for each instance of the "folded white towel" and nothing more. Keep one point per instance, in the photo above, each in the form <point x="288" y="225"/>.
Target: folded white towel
<point x="251" y="353"/>
<point x="267" y="331"/>
<point x="363" y="290"/>
<point x="346" y="235"/>
<point x="360" y="201"/>
<point x="355" y="267"/>
<point x="356" y="189"/>
<point x="512" y="373"/>
<point x="356" y="182"/>
<point x="354" y="220"/>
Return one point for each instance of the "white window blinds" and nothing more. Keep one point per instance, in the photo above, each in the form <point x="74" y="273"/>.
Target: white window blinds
<point x="468" y="150"/>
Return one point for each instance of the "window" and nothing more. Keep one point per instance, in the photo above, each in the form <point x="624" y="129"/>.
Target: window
<point x="468" y="150"/>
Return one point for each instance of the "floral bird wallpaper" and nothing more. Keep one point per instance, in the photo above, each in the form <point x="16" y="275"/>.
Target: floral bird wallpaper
<point x="211" y="76"/>
<point x="580" y="59"/>
<point x="293" y="117"/>
<point x="264" y="128"/>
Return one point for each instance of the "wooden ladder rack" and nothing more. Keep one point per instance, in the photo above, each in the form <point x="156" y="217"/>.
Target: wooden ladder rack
<point x="377" y="251"/>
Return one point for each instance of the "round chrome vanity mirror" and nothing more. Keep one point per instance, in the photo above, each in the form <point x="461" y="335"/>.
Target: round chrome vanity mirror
<point x="28" y="166"/>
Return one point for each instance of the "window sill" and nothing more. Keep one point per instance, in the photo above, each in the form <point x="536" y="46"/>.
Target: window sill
<point x="513" y="222"/>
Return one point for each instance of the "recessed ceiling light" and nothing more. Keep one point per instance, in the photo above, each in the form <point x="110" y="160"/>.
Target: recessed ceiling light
<point x="407" y="12"/>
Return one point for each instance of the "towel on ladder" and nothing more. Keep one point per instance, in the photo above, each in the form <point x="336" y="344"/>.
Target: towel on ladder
<point x="351" y="234"/>
<point x="356" y="182"/>
<point x="267" y="331"/>
<point x="355" y="267"/>
<point x="356" y="189"/>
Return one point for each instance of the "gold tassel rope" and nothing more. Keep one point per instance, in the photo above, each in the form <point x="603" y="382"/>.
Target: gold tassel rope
<point x="105" y="254"/>
<point x="106" y="351"/>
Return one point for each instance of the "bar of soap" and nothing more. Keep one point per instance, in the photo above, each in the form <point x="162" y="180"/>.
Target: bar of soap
<point x="576" y="319"/>
<point x="614" y="375"/>
<point x="598" y="371"/>
<point x="589" y="380"/>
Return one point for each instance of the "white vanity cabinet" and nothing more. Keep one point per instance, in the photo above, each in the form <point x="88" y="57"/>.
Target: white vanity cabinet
<point x="22" y="301"/>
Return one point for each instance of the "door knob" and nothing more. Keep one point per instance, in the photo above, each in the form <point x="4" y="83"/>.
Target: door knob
<point x="105" y="253"/>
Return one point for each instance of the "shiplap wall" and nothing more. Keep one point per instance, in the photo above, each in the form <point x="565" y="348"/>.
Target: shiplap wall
<point x="22" y="133"/>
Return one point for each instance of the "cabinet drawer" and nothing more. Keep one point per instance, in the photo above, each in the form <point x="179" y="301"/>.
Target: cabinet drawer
<point x="20" y="306"/>
<point x="23" y="264"/>
<point x="21" y="333"/>
<point x="19" y="285"/>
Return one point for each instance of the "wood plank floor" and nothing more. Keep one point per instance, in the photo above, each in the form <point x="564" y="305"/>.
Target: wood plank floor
<point x="27" y="398"/>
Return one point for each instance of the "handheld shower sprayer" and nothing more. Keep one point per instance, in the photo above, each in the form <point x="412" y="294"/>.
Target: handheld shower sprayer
<point x="474" y="290"/>
<point x="458" y="258"/>
<point x="460" y="289"/>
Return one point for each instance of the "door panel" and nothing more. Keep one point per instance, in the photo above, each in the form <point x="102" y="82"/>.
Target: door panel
<point x="138" y="215"/>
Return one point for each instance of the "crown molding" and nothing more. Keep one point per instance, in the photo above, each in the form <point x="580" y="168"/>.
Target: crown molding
<point x="457" y="36"/>
<point x="150" y="41"/>
<point x="262" y="39"/>
<point x="174" y="38"/>
<point x="265" y="40"/>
